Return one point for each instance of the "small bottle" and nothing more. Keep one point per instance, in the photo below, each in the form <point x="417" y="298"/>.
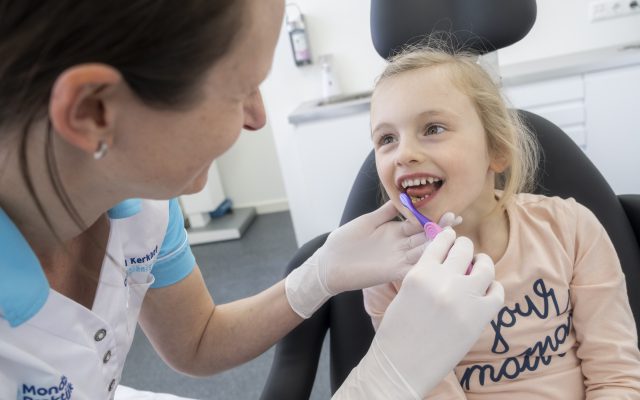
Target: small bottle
<point x="330" y="85"/>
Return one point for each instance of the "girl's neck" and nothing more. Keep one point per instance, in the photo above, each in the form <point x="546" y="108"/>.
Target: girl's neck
<point x="488" y="230"/>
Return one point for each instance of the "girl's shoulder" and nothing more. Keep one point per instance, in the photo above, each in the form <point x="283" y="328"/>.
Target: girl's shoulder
<point x="553" y="205"/>
<point x="565" y="214"/>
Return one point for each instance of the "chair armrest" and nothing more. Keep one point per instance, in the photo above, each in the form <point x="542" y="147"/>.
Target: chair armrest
<point x="297" y="354"/>
<point x="631" y="205"/>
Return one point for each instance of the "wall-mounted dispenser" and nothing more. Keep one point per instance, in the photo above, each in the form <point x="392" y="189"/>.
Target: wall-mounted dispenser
<point x="298" y="35"/>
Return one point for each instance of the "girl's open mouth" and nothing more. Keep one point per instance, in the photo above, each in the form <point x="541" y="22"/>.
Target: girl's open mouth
<point x="421" y="189"/>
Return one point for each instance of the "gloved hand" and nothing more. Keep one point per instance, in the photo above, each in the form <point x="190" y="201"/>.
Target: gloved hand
<point x="370" y="250"/>
<point x="432" y="323"/>
<point x="365" y="252"/>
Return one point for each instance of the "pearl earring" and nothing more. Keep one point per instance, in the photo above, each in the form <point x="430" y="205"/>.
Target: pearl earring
<point x="101" y="151"/>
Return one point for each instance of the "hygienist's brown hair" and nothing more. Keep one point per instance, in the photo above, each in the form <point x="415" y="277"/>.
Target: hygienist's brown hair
<point x="161" y="48"/>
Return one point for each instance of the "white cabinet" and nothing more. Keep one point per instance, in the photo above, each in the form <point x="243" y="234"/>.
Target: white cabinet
<point x="613" y="107"/>
<point x="330" y="153"/>
<point x="198" y="206"/>
<point x="599" y="111"/>
<point x="561" y="101"/>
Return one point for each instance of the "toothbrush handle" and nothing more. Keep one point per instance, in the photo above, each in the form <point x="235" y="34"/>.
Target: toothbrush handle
<point x="431" y="229"/>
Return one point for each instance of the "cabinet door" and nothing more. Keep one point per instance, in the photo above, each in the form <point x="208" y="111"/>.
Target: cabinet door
<point x="329" y="155"/>
<point x="561" y="101"/>
<point x="613" y="126"/>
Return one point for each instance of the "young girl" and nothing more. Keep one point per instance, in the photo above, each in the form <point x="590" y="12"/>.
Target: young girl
<point x="443" y="134"/>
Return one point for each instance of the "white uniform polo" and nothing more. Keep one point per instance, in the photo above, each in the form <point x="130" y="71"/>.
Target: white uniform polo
<point x="54" y="348"/>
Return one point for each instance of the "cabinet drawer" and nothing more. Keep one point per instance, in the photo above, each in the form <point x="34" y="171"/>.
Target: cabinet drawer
<point x="562" y="114"/>
<point x="545" y="92"/>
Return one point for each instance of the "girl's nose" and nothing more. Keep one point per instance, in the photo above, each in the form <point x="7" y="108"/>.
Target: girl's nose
<point x="409" y="152"/>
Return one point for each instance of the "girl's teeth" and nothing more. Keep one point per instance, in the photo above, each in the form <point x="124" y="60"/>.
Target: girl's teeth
<point x="417" y="199"/>
<point x="417" y="182"/>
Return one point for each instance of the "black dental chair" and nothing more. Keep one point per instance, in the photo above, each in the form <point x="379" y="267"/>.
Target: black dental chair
<point x="482" y="25"/>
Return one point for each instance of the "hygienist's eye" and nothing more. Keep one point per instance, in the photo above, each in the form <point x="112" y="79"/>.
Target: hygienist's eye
<point x="434" y="129"/>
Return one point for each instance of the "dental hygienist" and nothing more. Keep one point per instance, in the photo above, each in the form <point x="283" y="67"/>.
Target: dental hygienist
<point x="104" y="101"/>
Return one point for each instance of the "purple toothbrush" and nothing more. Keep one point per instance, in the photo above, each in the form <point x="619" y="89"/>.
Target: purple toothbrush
<point x="431" y="229"/>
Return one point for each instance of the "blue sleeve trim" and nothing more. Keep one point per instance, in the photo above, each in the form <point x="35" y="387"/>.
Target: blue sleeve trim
<point x="175" y="259"/>
<point x="24" y="289"/>
<point x="125" y="209"/>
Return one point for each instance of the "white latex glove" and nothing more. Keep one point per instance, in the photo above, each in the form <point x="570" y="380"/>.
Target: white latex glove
<point x="449" y="219"/>
<point x="432" y="323"/>
<point x="370" y="250"/>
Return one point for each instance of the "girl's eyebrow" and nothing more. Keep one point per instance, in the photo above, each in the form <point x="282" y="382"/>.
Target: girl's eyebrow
<point x="381" y="126"/>
<point x="436" y="112"/>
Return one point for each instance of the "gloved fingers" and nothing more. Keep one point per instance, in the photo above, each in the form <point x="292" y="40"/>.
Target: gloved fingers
<point x="413" y="255"/>
<point x="385" y="213"/>
<point x="494" y="298"/>
<point x="449" y="219"/>
<point x="416" y="240"/>
<point x="482" y="275"/>
<point x="460" y="255"/>
<point x="411" y="227"/>
<point x="438" y="249"/>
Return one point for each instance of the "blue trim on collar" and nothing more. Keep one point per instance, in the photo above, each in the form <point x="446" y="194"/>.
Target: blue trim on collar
<point x="125" y="209"/>
<point x="23" y="286"/>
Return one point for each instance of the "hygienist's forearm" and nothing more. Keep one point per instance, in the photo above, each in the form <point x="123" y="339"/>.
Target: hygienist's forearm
<point x="241" y="330"/>
<point x="197" y="337"/>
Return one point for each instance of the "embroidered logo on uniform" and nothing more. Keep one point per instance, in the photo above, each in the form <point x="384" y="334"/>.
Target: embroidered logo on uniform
<point x="61" y="391"/>
<point x="140" y="264"/>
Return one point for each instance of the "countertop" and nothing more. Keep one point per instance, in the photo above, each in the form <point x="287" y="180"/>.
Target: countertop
<point x="511" y="74"/>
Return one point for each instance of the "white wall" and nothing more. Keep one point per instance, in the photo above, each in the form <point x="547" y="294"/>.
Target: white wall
<point x="563" y="27"/>
<point x="339" y="27"/>
<point x="250" y="173"/>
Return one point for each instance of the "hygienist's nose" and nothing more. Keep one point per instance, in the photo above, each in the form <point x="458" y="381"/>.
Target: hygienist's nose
<point x="408" y="152"/>
<point x="254" y="114"/>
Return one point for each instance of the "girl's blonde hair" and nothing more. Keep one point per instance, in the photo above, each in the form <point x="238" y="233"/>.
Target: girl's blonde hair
<point x="508" y="138"/>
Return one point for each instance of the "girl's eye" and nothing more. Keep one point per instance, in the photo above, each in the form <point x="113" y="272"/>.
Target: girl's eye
<point x="386" y="139"/>
<point x="434" y="129"/>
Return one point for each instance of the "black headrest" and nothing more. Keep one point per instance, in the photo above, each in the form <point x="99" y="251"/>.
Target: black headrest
<point x="480" y="26"/>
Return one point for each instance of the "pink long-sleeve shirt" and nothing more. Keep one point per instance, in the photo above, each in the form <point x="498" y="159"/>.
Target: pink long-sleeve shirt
<point x="566" y="330"/>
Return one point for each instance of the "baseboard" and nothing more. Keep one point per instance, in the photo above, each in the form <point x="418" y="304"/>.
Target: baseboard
<point x="267" y="207"/>
<point x="228" y="227"/>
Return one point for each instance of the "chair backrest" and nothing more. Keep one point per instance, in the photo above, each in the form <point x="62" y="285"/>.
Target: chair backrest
<point x="479" y="25"/>
<point x="482" y="26"/>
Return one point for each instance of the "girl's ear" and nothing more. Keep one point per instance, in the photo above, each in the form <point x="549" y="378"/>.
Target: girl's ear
<point x="498" y="164"/>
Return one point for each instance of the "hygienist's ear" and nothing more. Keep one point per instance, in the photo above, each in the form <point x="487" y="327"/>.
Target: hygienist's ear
<point x="80" y="105"/>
